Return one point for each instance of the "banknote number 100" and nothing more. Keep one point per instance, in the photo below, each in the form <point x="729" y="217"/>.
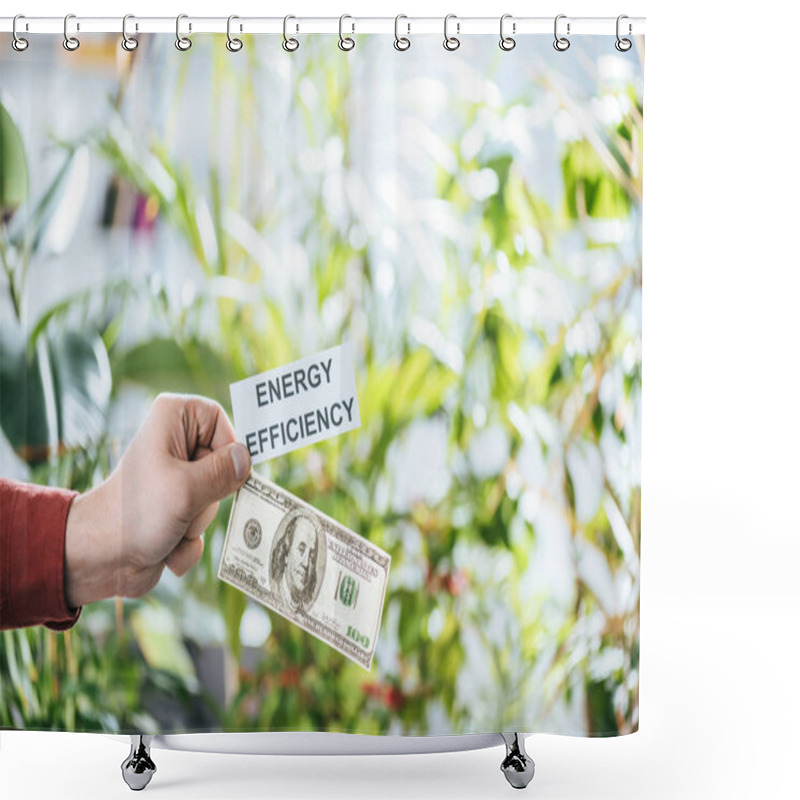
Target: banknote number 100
<point x="353" y="634"/>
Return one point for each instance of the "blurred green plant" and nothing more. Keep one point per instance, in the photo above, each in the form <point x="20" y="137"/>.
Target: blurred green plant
<point x="55" y="394"/>
<point x="464" y="629"/>
<point x="55" y="386"/>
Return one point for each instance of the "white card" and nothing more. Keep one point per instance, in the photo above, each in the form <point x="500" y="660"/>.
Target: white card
<point x="298" y="404"/>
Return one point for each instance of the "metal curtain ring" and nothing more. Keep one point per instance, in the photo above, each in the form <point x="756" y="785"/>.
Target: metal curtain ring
<point x="183" y="43"/>
<point x="70" y="42"/>
<point x="289" y="44"/>
<point x="561" y="43"/>
<point x="623" y="45"/>
<point x="128" y="43"/>
<point x="17" y="42"/>
<point x="451" y="42"/>
<point x="507" y="42"/>
<point x="233" y="44"/>
<point x="345" y="42"/>
<point x="401" y="42"/>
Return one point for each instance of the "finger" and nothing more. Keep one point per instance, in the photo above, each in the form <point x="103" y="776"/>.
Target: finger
<point x="206" y="424"/>
<point x="201" y="522"/>
<point x="217" y="475"/>
<point x="184" y="556"/>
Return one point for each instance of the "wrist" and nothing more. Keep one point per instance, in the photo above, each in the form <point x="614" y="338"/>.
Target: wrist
<point x="91" y="550"/>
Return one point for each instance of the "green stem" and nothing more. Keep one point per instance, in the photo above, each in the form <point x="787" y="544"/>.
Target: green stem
<point x="12" y="290"/>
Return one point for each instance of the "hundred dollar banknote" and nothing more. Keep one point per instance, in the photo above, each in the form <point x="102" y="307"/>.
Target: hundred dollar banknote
<point x="304" y="565"/>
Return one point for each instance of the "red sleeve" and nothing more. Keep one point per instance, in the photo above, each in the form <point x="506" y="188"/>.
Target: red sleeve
<point x="33" y="524"/>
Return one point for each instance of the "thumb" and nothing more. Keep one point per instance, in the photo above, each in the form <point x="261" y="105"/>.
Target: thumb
<point x="218" y="474"/>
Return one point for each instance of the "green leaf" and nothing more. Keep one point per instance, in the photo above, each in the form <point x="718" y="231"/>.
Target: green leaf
<point x="13" y="165"/>
<point x="165" y="366"/>
<point x="494" y="528"/>
<point x="159" y="640"/>
<point x="55" y="397"/>
<point x="498" y="214"/>
<point x="233" y="604"/>
<point x="505" y="340"/>
<point x="600" y="709"/>
<point x="412" y="610"/>
<point x="79" y="305"/>
<point x="82" y="384"/>
<point x="588" y="186"/>
<point x="67" y="187"/>
<point x="23" y="415"/>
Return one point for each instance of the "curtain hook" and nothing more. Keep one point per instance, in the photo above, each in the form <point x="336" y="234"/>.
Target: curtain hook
<point x="623" y="45"/>
<point x="128" y="43"/>
<point x="345" y="42"/>
<point x="234" y="45"/>
<point x="183" y="43"/>
<point x="561" y="43"/>
<point x="70" y="42"/>
<point x="401" y="42"/>
<point x="18" y="43"/>
<point x="451" y="42"/>
<point x="507" y="42"/>
<point x="290" y="44"/>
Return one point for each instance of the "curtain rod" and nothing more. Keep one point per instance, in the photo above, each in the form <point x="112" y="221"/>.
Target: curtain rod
<point x="408" y="26"/>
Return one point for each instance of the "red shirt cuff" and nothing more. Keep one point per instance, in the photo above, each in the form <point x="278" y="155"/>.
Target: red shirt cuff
<point x="33" y="524"/>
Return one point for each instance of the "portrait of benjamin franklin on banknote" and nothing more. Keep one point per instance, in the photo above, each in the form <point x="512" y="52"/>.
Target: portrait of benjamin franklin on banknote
<point x="297" y="560"/>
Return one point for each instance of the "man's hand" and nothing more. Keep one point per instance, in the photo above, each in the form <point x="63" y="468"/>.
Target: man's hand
<point x="152" y="510"/>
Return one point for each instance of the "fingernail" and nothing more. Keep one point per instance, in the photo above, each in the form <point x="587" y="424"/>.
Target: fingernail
<point x="241" y="461"/>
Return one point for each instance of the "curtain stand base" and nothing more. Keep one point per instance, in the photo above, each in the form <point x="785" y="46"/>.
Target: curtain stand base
<point x="138" y="768"/>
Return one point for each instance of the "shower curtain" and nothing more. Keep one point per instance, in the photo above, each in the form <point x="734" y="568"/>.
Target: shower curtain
<point x="467" y="224"/>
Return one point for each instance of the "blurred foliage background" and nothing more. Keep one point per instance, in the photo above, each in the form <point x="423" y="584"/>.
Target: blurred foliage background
<point x="471" y="221"/>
